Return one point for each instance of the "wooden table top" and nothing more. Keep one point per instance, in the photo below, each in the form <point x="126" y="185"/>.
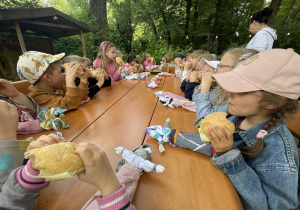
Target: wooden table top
<point x="80" y="118"/>
<point x="118" y="116"/>
<point x="190" y="180"/>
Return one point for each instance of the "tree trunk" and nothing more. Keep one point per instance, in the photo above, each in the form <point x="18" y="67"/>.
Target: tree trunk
<point x="289" y="11"/>
<point x="188" y="15"/>
<point x="195" y="20"/>
<point x="166" y="25"/>
<point x="216" y="24"/>
<point x="275" y="5"/>
<point x="261" y="6"/>
<point x="150" y="18"/>
<point x="98" y="11"/>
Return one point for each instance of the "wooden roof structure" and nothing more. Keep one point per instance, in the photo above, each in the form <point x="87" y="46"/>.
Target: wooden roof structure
<point x="47" y="22"/>
<point x="41" y="21"/>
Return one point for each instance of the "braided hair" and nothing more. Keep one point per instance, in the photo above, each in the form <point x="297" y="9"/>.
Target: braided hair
<point x="285" y="108"/>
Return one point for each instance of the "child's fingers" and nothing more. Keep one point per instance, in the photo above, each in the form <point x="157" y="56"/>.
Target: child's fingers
<point x="85" y="152"/>
<point x="57" y="138"/>
<point x="35" y="144"/>
<point x="219" y="132"/>
<point x="228" y="132"/>
<point x="211" y="135"/>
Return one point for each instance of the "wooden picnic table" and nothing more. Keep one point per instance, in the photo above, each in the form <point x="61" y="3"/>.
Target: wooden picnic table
<point x="118" y="116"/>
<point x="190" y="180"/>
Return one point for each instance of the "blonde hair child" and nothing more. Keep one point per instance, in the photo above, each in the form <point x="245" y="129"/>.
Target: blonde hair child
<point x="148" y="60"/>
<point x="209" y="99"/>
<point x="167" y="61"/>
<point x="190" y="64"/>
<point x="260" y="158"/>
<point x="106" y="59"/>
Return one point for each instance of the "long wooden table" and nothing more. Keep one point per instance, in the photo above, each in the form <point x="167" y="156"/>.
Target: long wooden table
<point x="80" y="118"/>
<point x="190" y="180"/>
<point x="118" y="116"/>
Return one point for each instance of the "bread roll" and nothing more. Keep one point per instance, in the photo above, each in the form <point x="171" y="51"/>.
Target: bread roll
<point x="219" y="119"/>
<point x="79" y="70"/>
<point x="56" y="161"/>
<point x="119" y="61"/>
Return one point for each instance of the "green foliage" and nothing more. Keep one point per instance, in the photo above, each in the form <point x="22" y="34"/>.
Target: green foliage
<point x="158" y="27"/>
<point x="10" y="4"/>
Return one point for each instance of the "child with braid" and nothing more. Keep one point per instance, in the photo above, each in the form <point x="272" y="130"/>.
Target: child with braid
<point x="260" y="158"/>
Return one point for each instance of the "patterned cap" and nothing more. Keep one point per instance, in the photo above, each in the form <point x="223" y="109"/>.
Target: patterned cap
<point x="32" y="64"/>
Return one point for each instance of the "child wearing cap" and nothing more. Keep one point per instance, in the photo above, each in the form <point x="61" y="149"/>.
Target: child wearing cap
<point x="260" y="158"/>
<point x="48" y="87"/>
<point x="209" y="97"/>
<point x="193" y="79"/>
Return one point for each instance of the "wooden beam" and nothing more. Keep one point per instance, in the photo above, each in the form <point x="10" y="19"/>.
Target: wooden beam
<point x="20" y="37"/>
<point x="47" y="24"/>
<point x="83" y="44"/>
<point x="52" y="46"/>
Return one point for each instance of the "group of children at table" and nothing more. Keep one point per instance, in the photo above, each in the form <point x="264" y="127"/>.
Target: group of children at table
<point x="258" y="90"/>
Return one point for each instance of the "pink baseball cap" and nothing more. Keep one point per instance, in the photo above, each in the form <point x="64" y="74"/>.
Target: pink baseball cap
<point x="276" y="71"/>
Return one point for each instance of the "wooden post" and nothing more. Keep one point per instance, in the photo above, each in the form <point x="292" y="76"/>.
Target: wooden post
<point x="83" y="44"/>
<point x="52" y="46"/>
<point x="20" y="37"/>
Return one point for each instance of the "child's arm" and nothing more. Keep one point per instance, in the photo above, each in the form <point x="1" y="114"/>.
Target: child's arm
<point x="67" y="99"/>
<point x="99" y="173"/>
<point x="8" y="121"/>
<point x="190" y="86"/>
<point x="94" y="89"/>
<point x="7" y="89"/>
<point x="206" y="82"/>
<point x="275" y="184"/>
<point x="204" y="105"/>
<point x="116" y="76"/>
<point x="22" y="189"/>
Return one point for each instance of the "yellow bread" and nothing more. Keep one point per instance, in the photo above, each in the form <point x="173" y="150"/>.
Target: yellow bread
<point x="56" y="161"/>
<point x="119" y="61"/>
<point x="219" y="119"/>
<point x="79" y="70"/>
<point x="94" y="73"/>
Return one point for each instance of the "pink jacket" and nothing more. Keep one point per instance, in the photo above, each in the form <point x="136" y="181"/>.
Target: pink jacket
<point x="111" y="69"/>
<point x="145" y="64"/>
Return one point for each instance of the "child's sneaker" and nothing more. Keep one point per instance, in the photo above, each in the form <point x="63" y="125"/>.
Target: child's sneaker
<point x="143" y="151"/>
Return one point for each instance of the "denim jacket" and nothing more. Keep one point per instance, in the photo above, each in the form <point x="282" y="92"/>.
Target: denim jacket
<point x="203" y="103"/>
<point x="269" y="181"/>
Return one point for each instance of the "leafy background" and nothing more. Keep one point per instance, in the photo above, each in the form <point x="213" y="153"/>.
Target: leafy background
<point x="171" y="26"/>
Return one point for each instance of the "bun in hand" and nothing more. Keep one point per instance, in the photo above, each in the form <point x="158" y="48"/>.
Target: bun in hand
<point x="215" y="118"/>
<point x="56" y="161"/>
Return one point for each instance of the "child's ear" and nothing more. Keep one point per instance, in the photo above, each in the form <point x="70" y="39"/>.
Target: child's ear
<point x="47" y="77"/>
<point x="279" y="104"/>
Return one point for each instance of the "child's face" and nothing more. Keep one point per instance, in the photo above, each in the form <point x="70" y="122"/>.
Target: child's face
<point x="226" y="64"/>
<point x="193" y="62"/>
<point x="207" y="68"/>
<point x="57" y="76"/>
<point x="245" y="104"/>
<point x="132" y="63"/>
<point x="111" y="54"/>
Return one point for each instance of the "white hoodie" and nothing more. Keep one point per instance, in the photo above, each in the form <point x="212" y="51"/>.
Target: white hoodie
<point x="262" y="40"/>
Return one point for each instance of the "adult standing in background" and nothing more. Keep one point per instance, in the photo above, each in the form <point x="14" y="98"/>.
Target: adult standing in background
<point x="264" y="34"/>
